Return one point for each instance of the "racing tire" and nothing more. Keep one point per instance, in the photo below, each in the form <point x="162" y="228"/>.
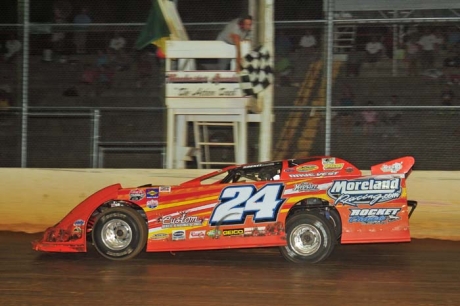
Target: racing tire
<point x="310" y="238"/>
<point x="336" y="221"/>
<point x="119" y="233"/>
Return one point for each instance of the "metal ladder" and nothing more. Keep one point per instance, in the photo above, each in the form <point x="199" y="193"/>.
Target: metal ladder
<point x="203" y="143"/>
<point x="344" y="38"/>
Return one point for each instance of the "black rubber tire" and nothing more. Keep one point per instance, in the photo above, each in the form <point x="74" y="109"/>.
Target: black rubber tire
<point x="318" y="226"/>
<point x="336" y="221"/>
<point x="133" y="225"/>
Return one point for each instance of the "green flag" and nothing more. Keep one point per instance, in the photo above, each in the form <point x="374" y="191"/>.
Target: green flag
<point x="155" y="31"/>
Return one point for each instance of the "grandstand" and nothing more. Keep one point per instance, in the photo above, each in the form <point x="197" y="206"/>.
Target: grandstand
<point x="61" y="128"/>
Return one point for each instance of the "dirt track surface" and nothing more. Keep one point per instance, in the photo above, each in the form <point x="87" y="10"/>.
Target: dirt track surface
<point x="423" y="272"/>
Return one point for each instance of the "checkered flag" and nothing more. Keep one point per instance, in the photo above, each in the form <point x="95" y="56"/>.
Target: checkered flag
<point x="256" y="73"/>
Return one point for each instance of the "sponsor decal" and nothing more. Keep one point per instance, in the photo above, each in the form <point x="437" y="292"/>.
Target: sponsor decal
<point x="152" y="193"/>
<point x="214" y="233"/>
<point x="197" y="234"/>
<point x="349" y="169"/>
<point x="254" y="231"/>
<point x="136" y="195"/>
<point x="152" y="204"/>
<point x="328" y="160"/>
<point x="274" y="229"/>
<point x="330" y="164"/>
<point x="289" y="170"/>
<point x="160" y="236"/>
<point x="79" y="222"/>
<point x="365" y="191"/>
<point x="182" y="220"/>
<point x="300" y="175"/>
<point x="233" y="232"/>
<point x="333" y="166"/>
<point x="165" y="188"/>
<point x="178" y="235"/>
<point x="305" y="187"/>
<point x="394" y="168"/>
<point x="307" y="168"/>
<point x="374" y="215"/>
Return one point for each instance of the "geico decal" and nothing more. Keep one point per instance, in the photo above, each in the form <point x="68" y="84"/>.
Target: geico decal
<point x="233" y="232"/>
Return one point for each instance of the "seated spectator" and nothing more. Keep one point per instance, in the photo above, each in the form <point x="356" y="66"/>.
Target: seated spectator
<point x="117" y="43"/>
<point x="12" y="46"/>
<point x="283" y="72"/>
<point x="427" y="42"/>
<point x="308" y="43"/>
<point x="117" y="52"/>
<point x="374" y="50"/>
<point x="370" y="118"/>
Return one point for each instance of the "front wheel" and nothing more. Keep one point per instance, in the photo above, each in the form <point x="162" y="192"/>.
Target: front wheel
<point x="119" y="233"/>
<point x="310" y="238"/>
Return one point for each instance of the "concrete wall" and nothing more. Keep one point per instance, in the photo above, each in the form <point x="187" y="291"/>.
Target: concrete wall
<point x="33" y="199"/>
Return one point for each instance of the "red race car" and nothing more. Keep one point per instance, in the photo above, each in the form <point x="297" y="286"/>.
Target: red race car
<point x="303" y="206"/>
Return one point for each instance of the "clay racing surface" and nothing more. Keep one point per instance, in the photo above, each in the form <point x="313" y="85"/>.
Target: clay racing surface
<point x="422" y="272"/>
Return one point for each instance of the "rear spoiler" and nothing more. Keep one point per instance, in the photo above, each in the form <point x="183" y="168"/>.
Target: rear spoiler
<point x="402" y="165"/>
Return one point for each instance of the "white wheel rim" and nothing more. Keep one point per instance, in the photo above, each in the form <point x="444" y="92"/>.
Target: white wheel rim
<point x="116" y="234"/>
<point x="305" y="239"/>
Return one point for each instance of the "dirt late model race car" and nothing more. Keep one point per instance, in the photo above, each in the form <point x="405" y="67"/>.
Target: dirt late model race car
<point x="303" y="206"/>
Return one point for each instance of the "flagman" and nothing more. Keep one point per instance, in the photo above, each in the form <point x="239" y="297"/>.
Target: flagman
<point x="234" y="32"/>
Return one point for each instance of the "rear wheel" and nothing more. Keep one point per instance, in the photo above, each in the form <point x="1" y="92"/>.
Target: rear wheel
<point x="336" y="221"/>
<point x="119" y="233"/>
<point x="310" y="238"/>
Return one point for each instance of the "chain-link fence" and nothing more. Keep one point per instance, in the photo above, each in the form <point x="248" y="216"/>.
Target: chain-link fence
<point x="75" y="93"/>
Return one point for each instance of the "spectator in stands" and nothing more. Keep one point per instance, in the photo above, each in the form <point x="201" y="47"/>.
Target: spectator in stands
<point x="428" y="43"/>
<point x="308" y="43"/>
<point x="393" y="117"/>
<point x="117" y="52"/>
<point x="370" y="118"/>
<point x="12" y="46"/>
<point x="374" y="50"/>
<point x="412" y="56"/>
<point x="354" y="61"/>
<point x="82" y="20"/>
<point x="234" y="33"/>
<point x="283" y="71"/>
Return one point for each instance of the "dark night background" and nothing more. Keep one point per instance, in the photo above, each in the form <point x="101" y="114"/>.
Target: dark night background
<point x="118" y="11"/>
